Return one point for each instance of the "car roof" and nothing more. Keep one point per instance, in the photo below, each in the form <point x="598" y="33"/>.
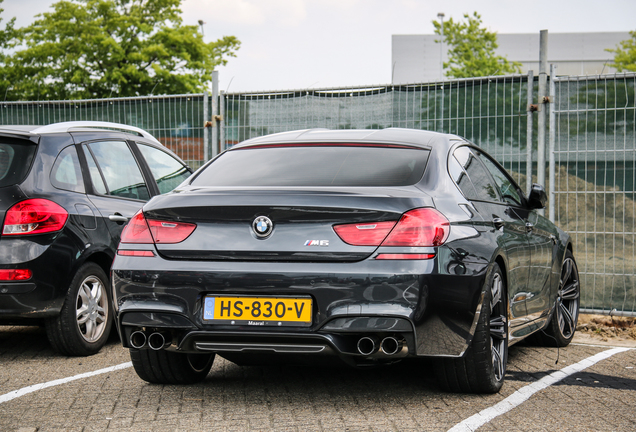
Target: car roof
<point x="411" y="137"/>
<point x="75" y="126"/>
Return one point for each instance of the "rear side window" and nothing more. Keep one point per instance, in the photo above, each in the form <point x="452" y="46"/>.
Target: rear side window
<point x="15" y="160"/>
<point x="166" y="170"/>
<point x="316" y="165"/>
<point x="66" y="173"/>
<point x="118" y="169"/>
<point x="508" y="190"/>
<point x="484" y="188"/>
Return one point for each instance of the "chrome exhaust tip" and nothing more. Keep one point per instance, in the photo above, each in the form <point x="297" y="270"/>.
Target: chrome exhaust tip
<point x="137" y="339"/>
<point x="390" y="345"/>
<point x="157" y="341"/>
<point x="367" y="345"/>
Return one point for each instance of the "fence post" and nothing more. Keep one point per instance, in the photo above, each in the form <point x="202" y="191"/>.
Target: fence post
<point x="205" y="128"/>
<point x="222" y="122"/>
<point x="543" y="79"/>
<point x="215" y="112"/>
<point x="529" y="131"/>
<point x="552" y="143"/>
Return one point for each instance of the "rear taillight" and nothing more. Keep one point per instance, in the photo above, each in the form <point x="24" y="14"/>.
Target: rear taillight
<point x="170" y="232"/>
<point x="148" y="231"/>
<point x="34" y="216"/>
<point x="364" y="234"/>
<point x="15" y="274"/>
<point x="423" y="227"/>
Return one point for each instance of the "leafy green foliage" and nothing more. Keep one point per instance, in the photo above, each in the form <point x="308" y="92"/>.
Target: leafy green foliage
<point x="472" y="49"/>
<point x="7" y="41"/>
<point x="625" y="55"/>
<point x="104" y="48"/>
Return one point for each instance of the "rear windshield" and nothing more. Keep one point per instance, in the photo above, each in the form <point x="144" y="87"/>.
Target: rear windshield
<point x="316" y="166"/>
<point x="15" y="160"/>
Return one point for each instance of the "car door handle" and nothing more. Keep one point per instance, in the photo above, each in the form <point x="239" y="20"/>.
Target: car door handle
<point x="498" y="222"/>
<point x="529" y="226"/>
<point x="118" y="218"/>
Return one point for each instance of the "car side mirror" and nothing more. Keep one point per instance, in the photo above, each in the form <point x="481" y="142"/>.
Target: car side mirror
<point x="538" y="197"/>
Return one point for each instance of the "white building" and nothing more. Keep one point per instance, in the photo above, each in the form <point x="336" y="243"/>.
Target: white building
<point x="416" y="58"/>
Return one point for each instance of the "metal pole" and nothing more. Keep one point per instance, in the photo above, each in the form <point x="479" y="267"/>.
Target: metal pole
<point x="222" y="121"/>
<point x="543" y="79"/>
<point x="552" y="200"/>
<point x="206" y="135"/>
<point x="529" y="131"/>
<point x="215" y="113"/>
<point x="441" y="47"/>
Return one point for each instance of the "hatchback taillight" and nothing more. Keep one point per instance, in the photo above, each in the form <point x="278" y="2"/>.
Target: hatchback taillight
<point x="34" y="216"/>
<point x="15" y="274"/>
<point x="148" y="231"/>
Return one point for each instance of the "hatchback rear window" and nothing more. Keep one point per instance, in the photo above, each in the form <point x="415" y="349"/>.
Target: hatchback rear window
<point x="15" y="160"/>
<point x="316" y="165"/>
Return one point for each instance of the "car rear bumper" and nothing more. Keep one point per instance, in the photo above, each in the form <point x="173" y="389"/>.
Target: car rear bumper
<point x="50" y="257"/>
<point x="427" y="311"/>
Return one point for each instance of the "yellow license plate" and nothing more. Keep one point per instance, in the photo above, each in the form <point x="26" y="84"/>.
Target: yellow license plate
<point x="258" y="310"/>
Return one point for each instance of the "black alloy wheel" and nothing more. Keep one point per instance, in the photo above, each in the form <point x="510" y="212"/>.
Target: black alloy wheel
<point x="483" y="367"/>
<point x="562" y="325"/>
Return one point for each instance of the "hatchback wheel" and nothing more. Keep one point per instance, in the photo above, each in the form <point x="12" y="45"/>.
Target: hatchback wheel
<point x="167" y="367"/>
<point x="84" y="324"/>
<point x="483" y="367"/>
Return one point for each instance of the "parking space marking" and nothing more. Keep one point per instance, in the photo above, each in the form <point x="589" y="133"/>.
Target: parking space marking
<point x="517" y="398"/>
<point x="26" y="390"/>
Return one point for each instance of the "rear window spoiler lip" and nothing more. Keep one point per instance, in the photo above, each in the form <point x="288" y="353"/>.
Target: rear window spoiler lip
<point x="22" y="135"/>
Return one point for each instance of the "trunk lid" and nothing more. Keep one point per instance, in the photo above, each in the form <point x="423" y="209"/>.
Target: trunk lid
<point x="302" y="219"/>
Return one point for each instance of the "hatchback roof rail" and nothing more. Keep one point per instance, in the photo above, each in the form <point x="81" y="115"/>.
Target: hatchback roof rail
<point x="69" y="126"/>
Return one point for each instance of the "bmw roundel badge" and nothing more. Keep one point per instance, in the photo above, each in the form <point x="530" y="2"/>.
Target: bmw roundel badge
<point x="262" y="226"/>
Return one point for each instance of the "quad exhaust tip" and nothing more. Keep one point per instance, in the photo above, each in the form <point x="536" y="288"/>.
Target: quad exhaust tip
<point x="138" y="339"/>
<point x="157" y="341"/>
<point x="390" y="345"/>
<point x="367" y="345"/>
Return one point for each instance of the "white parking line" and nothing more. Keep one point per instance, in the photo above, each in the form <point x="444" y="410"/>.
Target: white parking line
<point x="26" y="390"/>
<point x="523" y="394"/>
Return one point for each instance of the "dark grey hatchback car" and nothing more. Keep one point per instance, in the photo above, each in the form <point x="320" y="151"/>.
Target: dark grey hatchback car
<point x="66" y="192"/>
<point x="370" y="246"/>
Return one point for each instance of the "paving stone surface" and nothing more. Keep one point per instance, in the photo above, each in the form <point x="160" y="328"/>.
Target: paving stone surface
<point x="402" y="397"/>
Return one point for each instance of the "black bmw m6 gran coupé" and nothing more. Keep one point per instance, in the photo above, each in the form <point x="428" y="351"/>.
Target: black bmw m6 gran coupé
<point x="367" y="245"/>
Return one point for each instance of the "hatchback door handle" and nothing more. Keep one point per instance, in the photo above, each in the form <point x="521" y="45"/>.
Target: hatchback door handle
<point x="118" y="218"/>
<point x="498" y="222"/>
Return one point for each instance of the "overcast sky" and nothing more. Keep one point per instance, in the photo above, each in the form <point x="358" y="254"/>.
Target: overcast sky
<point x="293" y="44"/>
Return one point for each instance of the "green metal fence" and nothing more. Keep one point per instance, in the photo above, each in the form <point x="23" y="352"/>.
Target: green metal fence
<point x="594" y="143"/>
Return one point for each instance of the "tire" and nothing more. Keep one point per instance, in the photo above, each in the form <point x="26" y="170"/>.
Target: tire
<point x="562" y="326"/>
<point x="167" y="367"/>
<point x="482" y="369"/>
<point x="84" y="323"/>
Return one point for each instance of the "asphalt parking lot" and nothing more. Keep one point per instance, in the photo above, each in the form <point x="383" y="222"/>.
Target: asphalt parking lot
<point x="42" y="391"/>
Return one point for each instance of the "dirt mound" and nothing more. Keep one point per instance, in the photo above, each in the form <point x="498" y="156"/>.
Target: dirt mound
<point x="607" y="327"/>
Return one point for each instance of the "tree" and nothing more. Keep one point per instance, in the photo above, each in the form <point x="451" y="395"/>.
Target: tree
<point x="625" y="55"/>
<point x="7" y="41"/>
<point x="472" y="49"/>
<point x="102" y="48"/>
